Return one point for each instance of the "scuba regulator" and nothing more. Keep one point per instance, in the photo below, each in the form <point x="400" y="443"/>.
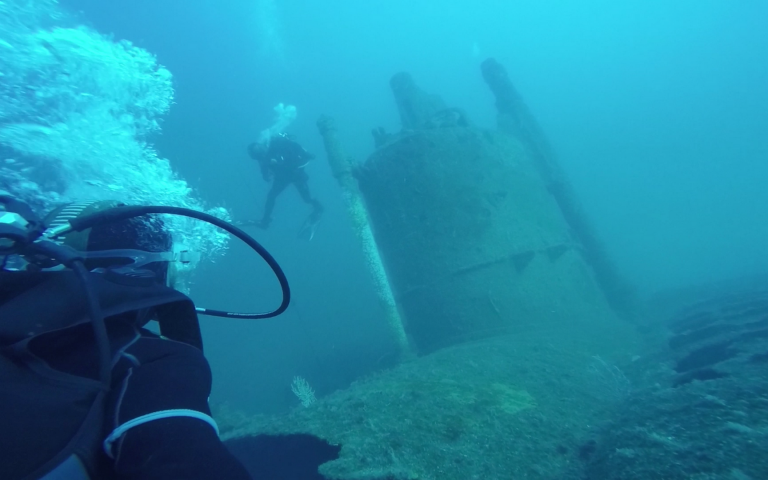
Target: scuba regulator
<point x="27" y="242"/>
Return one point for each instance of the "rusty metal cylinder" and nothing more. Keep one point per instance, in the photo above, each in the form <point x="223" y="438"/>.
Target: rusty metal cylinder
<point x="473" y="243"/>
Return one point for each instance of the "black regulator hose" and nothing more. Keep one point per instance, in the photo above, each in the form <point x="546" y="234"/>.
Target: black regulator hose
<point x="121" y="213"/>
<point x="70" y="258"/>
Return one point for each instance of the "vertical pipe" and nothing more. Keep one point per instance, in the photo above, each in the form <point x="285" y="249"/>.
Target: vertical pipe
<point x="516" y="120"/>
<point x="342" y="171"/>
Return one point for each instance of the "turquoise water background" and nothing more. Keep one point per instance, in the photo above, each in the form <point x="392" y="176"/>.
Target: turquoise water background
<point x="658" y="112"/>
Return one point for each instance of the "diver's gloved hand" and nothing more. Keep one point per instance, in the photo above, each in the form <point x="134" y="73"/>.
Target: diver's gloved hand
<point x="5" y="197"/>
<point x="262" y="224"/>
<point x="20" y="214"/>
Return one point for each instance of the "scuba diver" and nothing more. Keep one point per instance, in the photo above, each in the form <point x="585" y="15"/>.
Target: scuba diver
<point x="282" y="161"/>
<point x="88" y="390"/>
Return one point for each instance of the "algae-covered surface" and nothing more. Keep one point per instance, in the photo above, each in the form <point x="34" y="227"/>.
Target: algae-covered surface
<point x="497" y="409"/>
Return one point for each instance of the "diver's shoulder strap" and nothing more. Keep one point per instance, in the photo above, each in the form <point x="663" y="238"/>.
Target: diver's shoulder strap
<point x="32" y="303"/>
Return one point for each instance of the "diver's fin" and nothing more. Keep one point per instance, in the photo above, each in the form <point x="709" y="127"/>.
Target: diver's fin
<point x="245" y="223"/>
<point x="251" y="223"/>
<point x="307" y="230"/>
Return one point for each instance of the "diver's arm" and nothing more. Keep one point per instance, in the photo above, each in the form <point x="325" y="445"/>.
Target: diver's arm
<point x="263" y="158"/>
<point x="266" y="173"/>
<point x="174" y="378"/>
<point x="264" y="161"/>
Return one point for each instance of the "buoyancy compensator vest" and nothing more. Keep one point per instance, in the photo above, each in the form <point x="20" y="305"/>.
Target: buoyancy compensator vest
<point x="52" y="420"/>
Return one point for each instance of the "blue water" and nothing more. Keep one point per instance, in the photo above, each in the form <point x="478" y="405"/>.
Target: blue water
<point x="658" y="112"/>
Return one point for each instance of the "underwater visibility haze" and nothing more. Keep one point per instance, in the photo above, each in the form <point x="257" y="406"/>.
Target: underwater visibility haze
<point x="524" y="239"/>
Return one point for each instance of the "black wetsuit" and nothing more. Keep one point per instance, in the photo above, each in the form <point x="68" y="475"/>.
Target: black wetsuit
<point x="151" y="375"/>
<point x="283" y="163"/>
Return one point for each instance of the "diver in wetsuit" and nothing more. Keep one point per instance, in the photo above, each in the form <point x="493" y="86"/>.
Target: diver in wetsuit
<point x="282" y="162"/>
<point x="65" y="415"/>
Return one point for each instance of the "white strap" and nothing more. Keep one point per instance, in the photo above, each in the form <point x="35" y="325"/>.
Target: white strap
<point x="180" y="412"/>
